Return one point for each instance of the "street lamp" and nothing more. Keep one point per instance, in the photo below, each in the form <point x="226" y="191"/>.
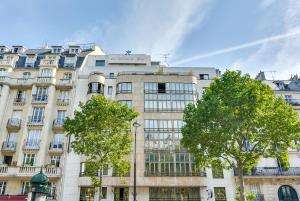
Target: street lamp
<point x="135" y="125"/>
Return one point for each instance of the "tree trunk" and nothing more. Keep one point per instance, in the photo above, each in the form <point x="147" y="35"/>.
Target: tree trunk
<point x="241" y="181"/>
<point x="100" y="185"/>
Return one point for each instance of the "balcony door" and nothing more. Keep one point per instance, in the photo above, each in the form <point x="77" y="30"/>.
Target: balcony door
<point x="58" y="140"/>
<point x="37" y="114"/>
<point x="61" y="114"/>
<point x="287" y="193"/>
<point x="41" y="93"/>
<point x="11" y="138"/>
<point x="17" y="114"/>
<point x="33" y="138"/>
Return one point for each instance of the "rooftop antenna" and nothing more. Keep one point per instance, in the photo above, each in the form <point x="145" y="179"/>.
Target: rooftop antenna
<point x="46" y="44"/>
<point x="165" y="58"/>
<point x="128" y="52"/>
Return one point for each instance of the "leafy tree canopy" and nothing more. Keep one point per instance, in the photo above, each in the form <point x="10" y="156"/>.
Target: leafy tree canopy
<point x="237" y="121"/>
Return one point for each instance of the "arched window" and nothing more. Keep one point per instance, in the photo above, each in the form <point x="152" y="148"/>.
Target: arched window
<point x="287" y="193"/>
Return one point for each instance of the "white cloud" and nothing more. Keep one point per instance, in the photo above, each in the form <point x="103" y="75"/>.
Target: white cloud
<point x="281" y="56"/>
<point x="155" y="27"/>
<point x="266" y="3"/>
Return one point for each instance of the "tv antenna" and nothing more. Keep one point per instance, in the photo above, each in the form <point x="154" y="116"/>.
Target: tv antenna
<point x="128" y="52"/>
<point x="165" y="57"/>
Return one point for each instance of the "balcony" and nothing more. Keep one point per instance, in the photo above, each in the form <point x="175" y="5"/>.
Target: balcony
<point x="175" y="174"/>
<point x="31" y="145"/>
<point x="19" y="101"/>
<point x="7" y="63"/>
<point x="49" y="62"/>
<point x="35" y="121"/>
<point x="9" y="147"/>
<point x="3" y="79"/>
<point x="39" y="99"/>
<point x="58" y="124"/>
<point x="44" y="81"/>
<point x="293" y="102"/>
<point x="13" y="124"/>
<point x="29" y="171"/>
<point x="272" y="171"/>
<point x="63" y="101"/>
<point x="23" y="82"/>
<point x="56" y="148"/>
<point x="70" y="65"/>
<point x="64" y="84"/>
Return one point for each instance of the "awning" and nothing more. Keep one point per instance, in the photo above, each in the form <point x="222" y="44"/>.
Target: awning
<point x="13" y="198"/>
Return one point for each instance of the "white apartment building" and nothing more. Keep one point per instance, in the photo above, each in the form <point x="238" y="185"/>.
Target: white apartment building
<point x="40" y="87"/>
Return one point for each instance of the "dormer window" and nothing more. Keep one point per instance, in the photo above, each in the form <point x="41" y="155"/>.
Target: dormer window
<point x="74" y="51"/>
<point x="70" y="62"/>
<point x="30" y="60"/>
<point x="2" y="50"/>
<point x="56" y="50"/>
<point x="15" y="50"/>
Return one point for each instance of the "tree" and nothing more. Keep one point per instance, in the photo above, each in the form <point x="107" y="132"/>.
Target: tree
<point x="237" y="121"/>
<point x="101" y="132"/>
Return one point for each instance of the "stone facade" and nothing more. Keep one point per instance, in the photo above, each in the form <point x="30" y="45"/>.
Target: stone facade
<point x="39" y="87"/>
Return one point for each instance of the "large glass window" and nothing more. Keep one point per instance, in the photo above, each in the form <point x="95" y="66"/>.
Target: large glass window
<point x="87" y="194"/>
<point x="174" y="193"/>
<point x="168" y="97"/>
<point x="124" y="87"/>
<point x="164" y="155"/>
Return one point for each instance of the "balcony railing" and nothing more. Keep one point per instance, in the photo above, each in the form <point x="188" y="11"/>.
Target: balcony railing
<point x="58" y="123"/>
<point x="19" y="101"/>
<point x="273" y="171"/>
<point x="49" y="62"/>
<point x="29" y="171"/>
<point x="56" y="147"/>
<point x="70" y="65"/>
<point x="3" y="78"/>
<point x="24" y="81"/>
<point x="176" y="174"/>
<point x="9" y="146"/>
<point x="45" y="80"/>
<point x="14" y="123"/>
<point x="35" y="121"/>
<point x="63" y="101"/>
<point x="293" y="102"/>
<point x="7" y="62"/>
<point x="148" y="91"/>
<point x="31" y="145"/>
<point x="64" y="83"/>
<point x="36" y="98"/>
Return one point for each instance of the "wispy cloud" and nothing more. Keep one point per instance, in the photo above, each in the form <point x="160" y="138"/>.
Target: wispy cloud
<point x="154" y="27"/>
<point x="239" y="47"/>
<point x="281" y="56"/>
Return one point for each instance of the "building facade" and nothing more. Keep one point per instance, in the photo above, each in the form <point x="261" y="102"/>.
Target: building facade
<point x="40" y="87"/>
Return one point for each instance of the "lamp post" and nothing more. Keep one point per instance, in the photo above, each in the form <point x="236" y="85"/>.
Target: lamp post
<point x="135" y="125"/>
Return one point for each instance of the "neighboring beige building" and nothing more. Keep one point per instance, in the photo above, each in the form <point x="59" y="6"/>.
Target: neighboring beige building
<point x="40" y="87"/>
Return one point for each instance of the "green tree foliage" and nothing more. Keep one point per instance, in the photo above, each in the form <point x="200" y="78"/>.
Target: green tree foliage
<point x="237" y="121"/>
<point x="100" y="130"/>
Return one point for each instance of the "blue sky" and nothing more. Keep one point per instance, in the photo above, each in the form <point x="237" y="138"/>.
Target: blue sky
<point x="231" y="34"/>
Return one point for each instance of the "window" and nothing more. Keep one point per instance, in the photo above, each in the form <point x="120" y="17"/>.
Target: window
<point x="111" y="75"/>
<point x="109" y="90"/>
<point x="124" y="87"/>
<point x="30" y="60"/>
<point x="220" y="194"/>
<point x="100" y="63"/>
<point x="3" y="72"/>
<point x="2" y="187"/>
<point x="33" y="139"/>
<point x="68" y="76"/>
<point x="168" y="97"/>
<point x="70" y="61"/>
<point x="127" y="102"/>
<point x="161" y="87"/>
<point x="46" y="72"/>
<point x="56" y="50"/>
<point x="203" y="76"/>
<point x="20" y="96"/>
<point x="58" y="140"/>
<point x="87" y="194"/>
<point x="52" y="190"/>
<point x="95" y="87"/>
<point x="61" y="114"/>
<point x="55" y="160"/>
<point x="174" y="193"/>
<point x="37" y="115"/>
<point x="26" y="75"/>
<point x="217" y="172"/>
<point x="11" y="139"/>
<point x="84" y="170"/>
<point x="29" y="159"/>
<point x="40" y="94"/>
<point x="25" y="188"/>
